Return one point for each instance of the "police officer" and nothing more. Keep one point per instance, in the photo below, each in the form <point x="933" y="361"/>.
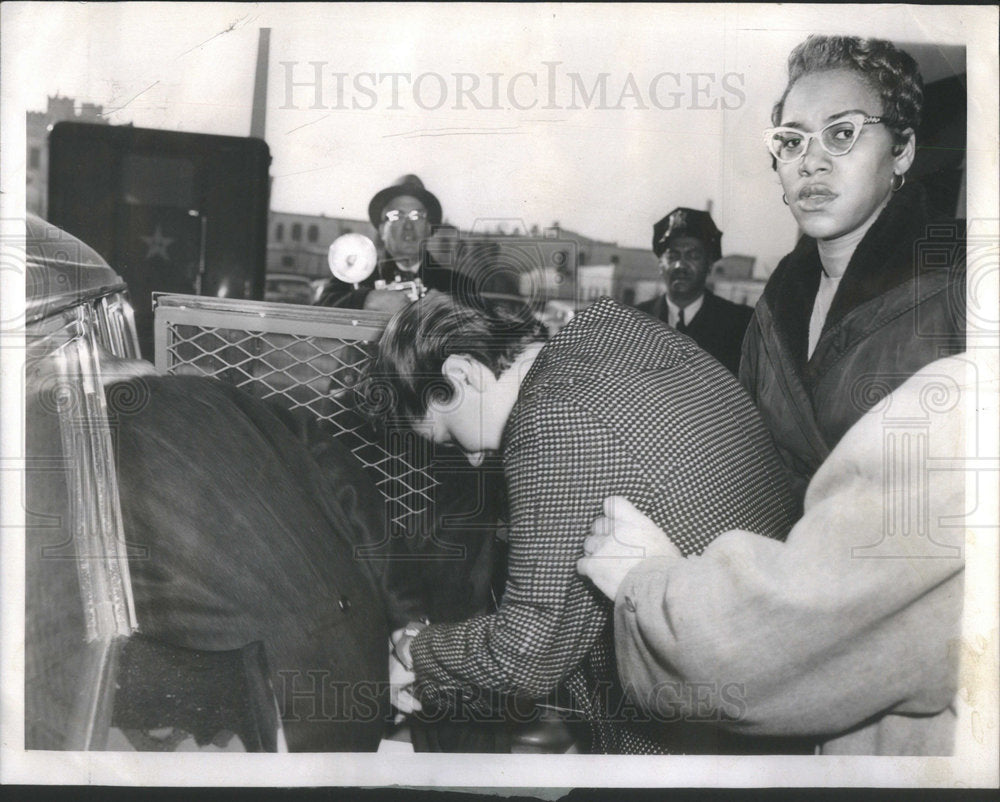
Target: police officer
<point x="687" y="243"/>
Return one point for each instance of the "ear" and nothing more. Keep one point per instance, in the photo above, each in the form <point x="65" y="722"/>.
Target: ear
<point x="904" y="159"/>
<point x="465" y="371"/>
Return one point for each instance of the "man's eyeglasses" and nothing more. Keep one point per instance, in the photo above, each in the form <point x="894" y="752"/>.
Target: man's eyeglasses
<point x="837" y="138"/>
<point x="394" y="215"/>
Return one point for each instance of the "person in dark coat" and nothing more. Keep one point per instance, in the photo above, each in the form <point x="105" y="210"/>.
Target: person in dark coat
<point x="687" y="243"/>
<point x="875" y="288"/>
<point x="404" y="215"/>
<point x="849" y="631"/>
<point x="241" y="532"/>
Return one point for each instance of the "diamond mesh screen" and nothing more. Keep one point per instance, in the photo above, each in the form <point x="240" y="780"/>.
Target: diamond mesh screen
<point x="303" y="358"/>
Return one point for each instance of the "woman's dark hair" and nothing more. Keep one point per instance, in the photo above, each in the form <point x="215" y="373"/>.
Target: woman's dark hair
<point x="405" y="374"/>
<point x="890" y="72"/>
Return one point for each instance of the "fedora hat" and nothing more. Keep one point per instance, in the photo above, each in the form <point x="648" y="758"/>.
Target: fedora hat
<point x="407" y="185"/>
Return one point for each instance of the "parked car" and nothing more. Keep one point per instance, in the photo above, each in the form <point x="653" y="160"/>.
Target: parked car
<point x="288" y="288"/>
<point x="318" y="285"/>
<point x="92" y="680"/>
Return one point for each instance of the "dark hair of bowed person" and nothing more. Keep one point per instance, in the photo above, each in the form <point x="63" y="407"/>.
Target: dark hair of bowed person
<point x="405" y="375"/>
<point x="890" y="72"/>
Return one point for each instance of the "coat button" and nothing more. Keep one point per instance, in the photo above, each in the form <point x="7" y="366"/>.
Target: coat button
<point x="629" y="604"/>
<point x="344" y="604"/>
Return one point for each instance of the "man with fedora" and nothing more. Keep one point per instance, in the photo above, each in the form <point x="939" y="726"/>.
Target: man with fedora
<point x="404" y="215"/>
<point x="687" y="243"/>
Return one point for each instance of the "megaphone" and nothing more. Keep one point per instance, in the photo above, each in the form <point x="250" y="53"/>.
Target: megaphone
<point x="352" y="258"/>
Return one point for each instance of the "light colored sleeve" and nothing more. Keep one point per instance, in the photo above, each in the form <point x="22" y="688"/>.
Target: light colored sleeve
<point x="854" y="616"/>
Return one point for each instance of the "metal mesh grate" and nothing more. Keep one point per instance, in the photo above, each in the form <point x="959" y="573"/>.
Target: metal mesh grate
<point x="303" y="358"/>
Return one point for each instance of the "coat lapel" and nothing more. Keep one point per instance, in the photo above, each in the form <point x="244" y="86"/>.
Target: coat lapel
<point x="659" y="310"/>
<point x="881" y="271"/>
<point x="787" y="372"/>
<point x="790" y="294"/>
<point x="880" y="263"/>
<point x="704" y="319"/>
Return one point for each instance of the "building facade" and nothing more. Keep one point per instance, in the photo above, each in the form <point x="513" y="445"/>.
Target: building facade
<point x="732" y="278"/>
<point x="549" y="264"/>
<point x="299" y="243"/>
<point x="39" y="123"/>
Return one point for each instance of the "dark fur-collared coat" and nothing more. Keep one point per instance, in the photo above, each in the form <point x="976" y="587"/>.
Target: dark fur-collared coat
<point x="899" y="306"/>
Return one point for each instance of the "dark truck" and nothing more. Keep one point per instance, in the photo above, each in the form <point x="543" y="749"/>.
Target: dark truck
<point x="169" y="211"/>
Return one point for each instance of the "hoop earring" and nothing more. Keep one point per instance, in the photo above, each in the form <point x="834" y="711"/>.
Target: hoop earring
<point x="784" y="200"/>
<point x="902" y="180"/>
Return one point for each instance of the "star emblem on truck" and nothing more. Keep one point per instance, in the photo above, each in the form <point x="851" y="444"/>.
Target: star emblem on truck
<point x="157" y="244"/>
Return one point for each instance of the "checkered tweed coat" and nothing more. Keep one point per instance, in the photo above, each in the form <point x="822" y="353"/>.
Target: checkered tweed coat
<point x="615" y="404"/>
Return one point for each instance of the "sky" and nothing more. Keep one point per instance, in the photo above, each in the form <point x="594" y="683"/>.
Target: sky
<point x="498" y="108"/>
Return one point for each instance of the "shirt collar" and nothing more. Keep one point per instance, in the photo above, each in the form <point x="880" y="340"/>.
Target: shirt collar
<point x="689" y="311"/>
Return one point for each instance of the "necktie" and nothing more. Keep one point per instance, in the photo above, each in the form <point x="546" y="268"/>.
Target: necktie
<point x="681" y="325"/>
